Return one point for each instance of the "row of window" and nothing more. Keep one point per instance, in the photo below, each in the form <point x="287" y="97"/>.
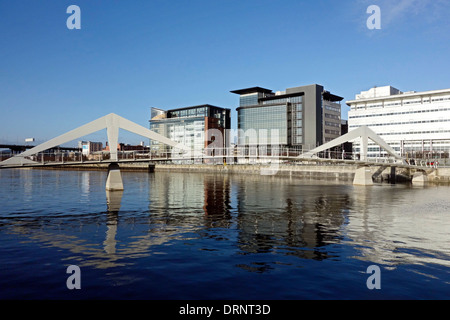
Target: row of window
<point x="400" y="123"/>
<point x="400" y="103"/>
<point x="336" y="132"/>
<point x="332" y="124"/>
<point x="297" y="100"/>
<point x="440" y="99"/>
<point x="331" y="108"/>
<point x="198" y="135"/>
<point x="397" y="113"/>
<point x="413" y="132"/>
<point x="412" y="102"/>
<point x="194" y="112"/>
<point x="248" y="100"/>
<point x="332" y="116"/>
<point x="375" y="149"/>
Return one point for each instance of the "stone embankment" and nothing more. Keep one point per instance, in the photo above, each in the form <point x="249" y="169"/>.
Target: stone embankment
<point x="307" y="171"/>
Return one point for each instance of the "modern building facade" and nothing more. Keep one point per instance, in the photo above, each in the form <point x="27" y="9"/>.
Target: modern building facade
<point x="415" y="124"/>
<point x="304" y="117"/>
<point x="89" y="147"/>
<point x="127" y="147"/>
<point x="196" y="127"/>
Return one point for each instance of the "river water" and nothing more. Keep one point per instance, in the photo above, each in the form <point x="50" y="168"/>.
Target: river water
<point x="211" y="236"/>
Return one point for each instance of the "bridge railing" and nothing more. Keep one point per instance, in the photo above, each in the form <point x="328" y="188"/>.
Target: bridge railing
<point x="219" y="155"/>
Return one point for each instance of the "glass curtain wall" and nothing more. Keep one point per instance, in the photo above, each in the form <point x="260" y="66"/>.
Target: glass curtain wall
<point x="294" y="117"/>
<point x="257" y="123"/>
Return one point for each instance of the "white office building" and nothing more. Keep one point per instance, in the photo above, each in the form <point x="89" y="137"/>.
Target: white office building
<point x="415" y="124"/>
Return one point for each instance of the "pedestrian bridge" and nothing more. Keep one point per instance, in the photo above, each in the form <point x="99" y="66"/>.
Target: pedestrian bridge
<point x="36" y="156"/>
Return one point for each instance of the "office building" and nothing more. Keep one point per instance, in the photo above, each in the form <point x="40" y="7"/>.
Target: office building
<point x="415" y="124"/>
<point x="196" y="127"/>
<point x="89" y="147"/>
<point x="127" y="147"/>
<point x="304" y="117"/>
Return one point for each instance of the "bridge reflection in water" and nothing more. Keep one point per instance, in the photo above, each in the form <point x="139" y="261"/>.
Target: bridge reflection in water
<point x="175" y="230"/>
<point x="257" y="214"/>
<point x="261" y="215"/>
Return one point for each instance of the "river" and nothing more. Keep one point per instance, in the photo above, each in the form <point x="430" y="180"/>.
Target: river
<point x="215" y="236"/>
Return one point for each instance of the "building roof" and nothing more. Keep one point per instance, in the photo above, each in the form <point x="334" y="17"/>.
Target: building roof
<point x="331" y="97"/>
<point x="282" y="96"/>
<point x="409" y="94"/>
<point x="252" y="90"/>
<point x="194" y="107"/>
<point x="160" y="116"/>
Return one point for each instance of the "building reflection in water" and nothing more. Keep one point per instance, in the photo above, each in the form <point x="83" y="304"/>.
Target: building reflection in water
<point x="265" y="214"/>
<point x="300" y="220"/>
<point x="85" y="183"/>
<point x="217" y="199"/>
<point x="253" y="215"/>
<point x="401" y="224"/>
<point x="189" y="200"/>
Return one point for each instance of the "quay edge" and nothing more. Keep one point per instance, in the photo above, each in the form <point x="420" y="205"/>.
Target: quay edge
<point x="308" y="171"/>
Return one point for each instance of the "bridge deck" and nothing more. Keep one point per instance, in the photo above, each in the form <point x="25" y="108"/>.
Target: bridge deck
<point x="280" y="158"/>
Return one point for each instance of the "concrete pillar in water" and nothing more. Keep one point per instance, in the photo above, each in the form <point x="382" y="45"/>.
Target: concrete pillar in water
<point x="419" y="177"/>
<point x="114" y="180"/>
<point x="363" y="177"/>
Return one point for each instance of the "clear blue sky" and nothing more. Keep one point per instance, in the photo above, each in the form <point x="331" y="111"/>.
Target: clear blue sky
<point x="133" y="55"/>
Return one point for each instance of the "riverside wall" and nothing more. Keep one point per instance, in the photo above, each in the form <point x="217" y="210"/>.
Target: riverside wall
<point x="345" y="173"/>
<point x="307" y="171"/>
<point x="312" y="171"/>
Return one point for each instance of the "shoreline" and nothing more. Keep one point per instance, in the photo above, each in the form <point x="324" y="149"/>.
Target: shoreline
<point x="320" y="172"/>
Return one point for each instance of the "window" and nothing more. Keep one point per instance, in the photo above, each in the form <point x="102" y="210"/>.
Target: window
<point x="249" y="99"/>
<point x="263" y="122"/>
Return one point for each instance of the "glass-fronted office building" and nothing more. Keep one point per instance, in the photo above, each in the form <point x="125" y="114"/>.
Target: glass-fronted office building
<point x="267" y="125"/>
<point x="303" y="117"/>
<point x="191" y="126"/>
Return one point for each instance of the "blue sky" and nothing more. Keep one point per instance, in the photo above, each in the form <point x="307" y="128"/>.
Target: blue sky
<point x="133" y="55"/>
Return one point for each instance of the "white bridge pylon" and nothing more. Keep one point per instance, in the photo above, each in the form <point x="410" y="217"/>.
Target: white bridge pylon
<point x="364" y="133"/>
<point x="112" y="123"/>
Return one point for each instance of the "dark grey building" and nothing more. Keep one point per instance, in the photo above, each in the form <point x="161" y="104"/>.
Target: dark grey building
<point x="305" y="116"/>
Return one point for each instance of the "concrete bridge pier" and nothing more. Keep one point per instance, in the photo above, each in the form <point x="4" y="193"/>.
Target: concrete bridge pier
<point x="363" y="177"/>
<point x="114" y="180"/>
<point x="419" y="177"/>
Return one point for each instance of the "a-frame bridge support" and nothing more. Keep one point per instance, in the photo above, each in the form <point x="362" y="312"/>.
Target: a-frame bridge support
<point x="114" y="179"/>
<point x="112" y="123"/>
<point x="363" y="175"/>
